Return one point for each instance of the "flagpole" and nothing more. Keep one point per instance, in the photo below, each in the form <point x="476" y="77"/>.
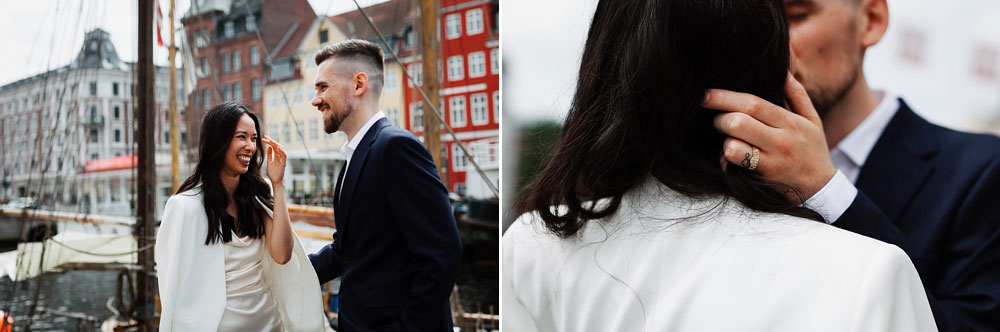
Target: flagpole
<point x="175" y="174"/>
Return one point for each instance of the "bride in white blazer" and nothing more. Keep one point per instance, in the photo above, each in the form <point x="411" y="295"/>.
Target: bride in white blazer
<point x="226" y="257"/>
<point x="637" y="223"/>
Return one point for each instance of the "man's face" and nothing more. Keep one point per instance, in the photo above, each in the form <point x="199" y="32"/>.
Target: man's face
<point x="826" y="48"/>
<point x="332" y="95"/>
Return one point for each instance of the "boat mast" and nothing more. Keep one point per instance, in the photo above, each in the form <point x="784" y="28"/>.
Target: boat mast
<point x="146" y="175"/>
<point x="175" y="173"/>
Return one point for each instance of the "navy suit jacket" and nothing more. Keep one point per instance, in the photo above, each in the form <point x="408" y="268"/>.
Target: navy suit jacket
<point x="397" y="244"/>
<point x="935" y="193"/>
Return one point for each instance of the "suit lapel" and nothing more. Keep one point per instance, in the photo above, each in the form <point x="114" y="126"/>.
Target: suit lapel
<point x="899" y="163"/>
<point x="353" y="174"/>
<point x="336" y="194"/>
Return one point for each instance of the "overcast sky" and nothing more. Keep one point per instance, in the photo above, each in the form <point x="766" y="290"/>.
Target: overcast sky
<point x="41" y="34"/>
<point x="543" y="41"/>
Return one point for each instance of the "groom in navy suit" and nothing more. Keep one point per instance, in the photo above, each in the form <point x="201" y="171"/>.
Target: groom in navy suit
<point x="397" y="246"/>
<point x="866" y="162"/>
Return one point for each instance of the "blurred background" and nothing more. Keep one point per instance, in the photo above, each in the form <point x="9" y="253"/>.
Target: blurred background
<point x="942" y="57"/>
<point x="73" y="247"/>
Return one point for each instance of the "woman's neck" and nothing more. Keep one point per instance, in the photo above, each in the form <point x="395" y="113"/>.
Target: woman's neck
<point x="229" y="182"/>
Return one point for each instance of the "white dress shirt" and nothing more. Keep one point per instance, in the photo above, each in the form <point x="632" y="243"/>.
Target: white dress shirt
<point x="348" y="149"/>
<point x="668" y="262"/>
<point x="849" y="156"/>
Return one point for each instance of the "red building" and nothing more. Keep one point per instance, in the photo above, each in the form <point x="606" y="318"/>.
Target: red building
<point x="231" y="59"/>
<point x="469" y="71"/>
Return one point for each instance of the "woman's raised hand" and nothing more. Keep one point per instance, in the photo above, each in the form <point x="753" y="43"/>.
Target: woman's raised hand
<point x="275" y="160"/>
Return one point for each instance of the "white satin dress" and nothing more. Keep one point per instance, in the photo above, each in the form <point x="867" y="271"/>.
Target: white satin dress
<point x="249" y="303"/>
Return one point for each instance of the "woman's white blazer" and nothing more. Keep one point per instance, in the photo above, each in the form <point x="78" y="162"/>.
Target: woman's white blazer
<point x="192" y="276"/>
<point x="666" y="262"/>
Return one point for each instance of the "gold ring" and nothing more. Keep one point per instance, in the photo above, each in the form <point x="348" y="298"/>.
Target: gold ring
<point x="754" y="158"/>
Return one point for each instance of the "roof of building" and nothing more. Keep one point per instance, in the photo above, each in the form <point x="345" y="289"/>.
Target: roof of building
<point x="285" y="26"/>
<point x="392" y="18"/>
<point x="198" y="7"/>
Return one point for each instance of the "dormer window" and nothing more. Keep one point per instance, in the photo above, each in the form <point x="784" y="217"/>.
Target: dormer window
<point x="251" y="23"/>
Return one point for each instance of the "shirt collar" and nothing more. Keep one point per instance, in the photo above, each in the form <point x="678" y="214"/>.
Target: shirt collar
<point x="350" y="146"/>
<point x="859" y="143"/>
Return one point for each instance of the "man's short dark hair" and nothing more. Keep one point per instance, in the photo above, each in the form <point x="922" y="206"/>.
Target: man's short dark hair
<point x="364" y="52"/>
<point x="353" y="49"/>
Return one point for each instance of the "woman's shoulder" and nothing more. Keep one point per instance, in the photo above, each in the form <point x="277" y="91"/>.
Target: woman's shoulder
<point x="186" y="198"/>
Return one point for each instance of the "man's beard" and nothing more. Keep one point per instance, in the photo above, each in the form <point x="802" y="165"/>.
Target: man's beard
<point x="826" y="98"/>
<point x="331" y="124"/>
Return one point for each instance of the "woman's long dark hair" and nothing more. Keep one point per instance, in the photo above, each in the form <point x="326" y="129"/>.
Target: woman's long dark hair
<point x="637" y="109"/>
<point x="217" y="131"/>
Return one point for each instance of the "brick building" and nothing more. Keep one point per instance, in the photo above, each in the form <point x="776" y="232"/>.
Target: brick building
<point x="232" y="42"/>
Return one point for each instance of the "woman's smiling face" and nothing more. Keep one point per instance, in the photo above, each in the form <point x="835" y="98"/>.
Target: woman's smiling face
<point x="241" y="148"/>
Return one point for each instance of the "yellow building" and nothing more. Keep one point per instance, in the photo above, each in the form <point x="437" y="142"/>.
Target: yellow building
<point x="314" y="158"/>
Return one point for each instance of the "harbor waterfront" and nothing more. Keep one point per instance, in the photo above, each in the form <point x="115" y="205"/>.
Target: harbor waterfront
<point x="80" y="296"/>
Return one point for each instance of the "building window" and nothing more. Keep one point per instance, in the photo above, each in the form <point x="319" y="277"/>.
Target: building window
<point x="272" y="100"/>
<point x="313" y="130"/>
<point x="225" y="63"/>
<point x="93" y="88"/>
<point x="457" y="107"/>
<point x="496" y="107"/>
<point x="117" y="112"/>
<point x="391" y="80"/>
<point x="237" y="61"/>
<point x="114" y="88"/>
<point x="456" y="69"/>
<point x="251" y="23"/>
<point x="273" y="130"/>
<point x="200" y="38"/>
<point x="458" y="160"/>
<point x="417" y="116"/>
<point x="495" y="61"/>
<point x="479" y="114"/>
<point x="205" y="69"/>
<point x="230" y="29"/>
<point x="206" y="99"/>
<point x="298" y="95"/>
<point x="453" y="26"/>
<point x="416" y="71"/>
<point x="254" y="56"/>
<point x="118" y="135"/>
<point x="227" y="92"/>
<point x="393" y="114"/>
<point x="287" y="131"/>
<point x="298" y="130"/>
<point x="477" y="64"/>
<point x="255" y="89"/>
<point x="237" y="91"/>
<point x="408" y="40"/>
<point x="474" y="21"/>
<point x="323" y="36"/>
<point x="93" y="135"/>
<point x="307" y="94"/>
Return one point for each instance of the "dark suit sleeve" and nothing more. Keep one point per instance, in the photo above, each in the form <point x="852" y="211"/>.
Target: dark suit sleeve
<point x="419" y="201"/>
<point x="327" y="261"/>
<point x="966" y="296"/>
<point x="864" y="218"/>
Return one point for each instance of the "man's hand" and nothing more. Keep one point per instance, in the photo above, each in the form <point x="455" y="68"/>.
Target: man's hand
<point x="793" y="149"/>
